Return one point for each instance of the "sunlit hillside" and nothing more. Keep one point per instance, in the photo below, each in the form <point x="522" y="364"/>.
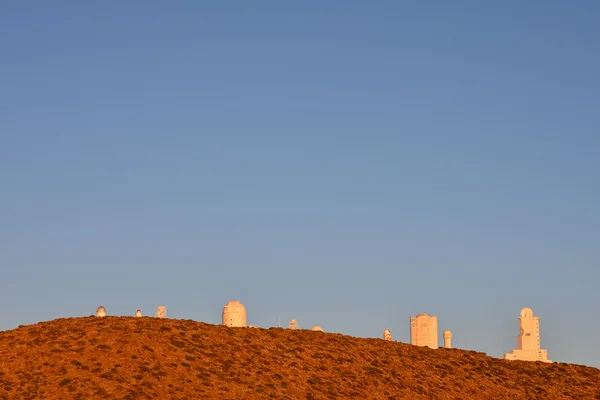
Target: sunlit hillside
<point x="150" y="358"/>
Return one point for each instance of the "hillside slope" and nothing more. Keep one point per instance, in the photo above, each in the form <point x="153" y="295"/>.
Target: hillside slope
<point x="148" y="358"/>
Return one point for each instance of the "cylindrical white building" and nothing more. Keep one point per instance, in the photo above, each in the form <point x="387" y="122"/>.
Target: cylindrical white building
<point x="424" y="330"/>
<point x="447" y="339"/>
<point x="234" y="314"/>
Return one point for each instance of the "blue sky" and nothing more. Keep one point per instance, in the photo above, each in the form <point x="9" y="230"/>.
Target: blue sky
<point x="345" y="164"/>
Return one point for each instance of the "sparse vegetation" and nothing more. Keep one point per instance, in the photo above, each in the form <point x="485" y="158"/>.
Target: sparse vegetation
<point x="129" y="358"/>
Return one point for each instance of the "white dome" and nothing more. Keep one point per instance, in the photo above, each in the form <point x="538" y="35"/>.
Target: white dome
<point x="234" y="314"/>
<point x="526" y="312"/>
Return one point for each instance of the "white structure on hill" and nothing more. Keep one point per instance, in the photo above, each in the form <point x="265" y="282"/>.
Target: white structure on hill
<point x="161" y="312"/>
<point x="528" y="340"/>
<point x="424" y="331"/>
<point x="138" y="313"/>
<point x="234" y="314"/>
<point x="293" y="324"/>
<point x="317" y="328"/>
<point x="387" y="335"/>
<point x="447" y="339"/>
<point x="101" y="312"/>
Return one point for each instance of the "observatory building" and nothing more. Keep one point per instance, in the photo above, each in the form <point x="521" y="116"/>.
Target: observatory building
<point x="138" y="313"/>
<point x="161" y="312"/>
<point x="387" y="335"/>
<point x="424" y="331"/>
<point x="528" y="340"/>
<point x="234" y="314"/>
<point x="447" y="339"/>
<point x="293" y="324"/>
<point x="317" y="328"/>
<point x="101" y="312"/>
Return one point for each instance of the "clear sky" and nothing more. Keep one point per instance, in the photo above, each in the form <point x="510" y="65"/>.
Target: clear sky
<point x="347" y="164"/>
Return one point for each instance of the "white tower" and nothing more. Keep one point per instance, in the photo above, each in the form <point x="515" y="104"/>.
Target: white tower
<point x="101" y="312"/>
<point x="528" y="340"/>
<point x="138" y="313"/>
<point x="293" y="324"/>
<point x="447" y="339"/>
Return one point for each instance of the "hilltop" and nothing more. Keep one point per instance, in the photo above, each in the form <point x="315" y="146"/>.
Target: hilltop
<point x="149" y="358"/>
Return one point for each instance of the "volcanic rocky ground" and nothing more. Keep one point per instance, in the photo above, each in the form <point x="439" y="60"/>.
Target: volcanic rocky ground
<point x="149" y="358"/>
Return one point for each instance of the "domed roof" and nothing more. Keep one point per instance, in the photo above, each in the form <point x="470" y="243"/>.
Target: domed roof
<point x="233" y="304"/>
<point x="422" y="315"/>
<point x="101" y="308"/>
<point x="526" y="312"/>
<point x="317" y="328"/>
<point x="447" y="332"/>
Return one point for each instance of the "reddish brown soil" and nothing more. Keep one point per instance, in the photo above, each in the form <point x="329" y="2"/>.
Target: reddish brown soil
<point x="148" y="358"/>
